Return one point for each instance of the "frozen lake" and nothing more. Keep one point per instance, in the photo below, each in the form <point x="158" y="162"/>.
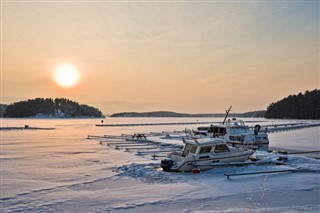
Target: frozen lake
<point x="61" y="171"/>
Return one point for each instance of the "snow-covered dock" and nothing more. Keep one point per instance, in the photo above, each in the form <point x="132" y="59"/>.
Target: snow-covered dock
<point x="270" y="128"/>
<point x="289" y="127"/>
<point x="24" y="128"/>
<point x="139" y="144"/>
<point x="153" y="124"/>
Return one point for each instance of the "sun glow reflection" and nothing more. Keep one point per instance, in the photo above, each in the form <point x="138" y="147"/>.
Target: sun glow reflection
<point x="66" y="75"/>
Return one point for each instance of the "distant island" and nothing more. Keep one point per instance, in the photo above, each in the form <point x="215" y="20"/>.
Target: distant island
<point x="49" y="108"/>
<point x="301" y="106"/>
<point x="260" y="113"/>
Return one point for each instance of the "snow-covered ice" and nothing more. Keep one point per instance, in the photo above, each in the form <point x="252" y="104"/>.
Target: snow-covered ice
<point x="61" y="171"/>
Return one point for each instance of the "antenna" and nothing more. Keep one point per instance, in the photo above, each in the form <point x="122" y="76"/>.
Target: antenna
<point x="227" y="113"/>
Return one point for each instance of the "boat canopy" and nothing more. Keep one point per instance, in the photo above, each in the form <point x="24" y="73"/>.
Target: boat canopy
<point x="205" y="145"/>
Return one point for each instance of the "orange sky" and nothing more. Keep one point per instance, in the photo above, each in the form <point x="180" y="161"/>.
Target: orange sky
<point x="195" y="57"/>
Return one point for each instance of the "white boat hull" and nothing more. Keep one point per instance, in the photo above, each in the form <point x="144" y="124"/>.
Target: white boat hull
<point x="207" y="162"/>
<point x="264" y="146"/>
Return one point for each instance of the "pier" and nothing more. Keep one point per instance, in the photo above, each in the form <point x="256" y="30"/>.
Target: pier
<point x="154" y="124"/>
<point x="289" y="127"/>
<point x="270" y="128"/>
<point x="138" y="143"/>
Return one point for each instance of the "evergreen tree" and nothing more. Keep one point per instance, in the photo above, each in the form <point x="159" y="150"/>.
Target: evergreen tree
<point x="301" y="106"/>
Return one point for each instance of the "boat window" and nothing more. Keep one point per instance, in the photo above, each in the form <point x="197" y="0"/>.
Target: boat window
<point x="211" y="129"/>
<point x="189" y="148"/>
<point x="200" y="133"/>
<point x="202" y="128"/>
<point x="193" y="149"/>
<point x="220" y="131"/>
<point x="205" y="149"/>
<point x="221" y="148"/>
<point x="236" y="138"/>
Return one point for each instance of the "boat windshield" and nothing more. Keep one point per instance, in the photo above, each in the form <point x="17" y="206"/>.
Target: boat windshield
<point x="217" y="130"/>
<point x="200" y="133"/>
<point x="189" y="148"/>
<point x="221" y="148"/>
<point x="202" y="128"/>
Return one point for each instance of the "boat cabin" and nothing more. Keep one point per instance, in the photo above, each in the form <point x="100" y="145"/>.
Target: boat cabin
<point x="212" y="131"/>
<point x="201" y="147"/>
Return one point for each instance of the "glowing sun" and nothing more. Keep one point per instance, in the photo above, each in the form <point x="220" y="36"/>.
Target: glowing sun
<point x="66" y="75"/>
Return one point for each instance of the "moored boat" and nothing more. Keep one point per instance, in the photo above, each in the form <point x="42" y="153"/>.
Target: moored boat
<point x="203" y="154"/>
<point x="236" y="133"/>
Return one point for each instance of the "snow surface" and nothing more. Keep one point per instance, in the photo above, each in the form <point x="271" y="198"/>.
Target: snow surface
<point x="61" y="171"/>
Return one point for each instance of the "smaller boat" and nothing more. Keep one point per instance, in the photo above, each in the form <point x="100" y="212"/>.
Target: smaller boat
<point x="203" y="154"/>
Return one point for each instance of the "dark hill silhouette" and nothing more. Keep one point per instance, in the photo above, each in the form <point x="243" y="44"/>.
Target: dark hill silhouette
<point x="47" y="107"/>
<point x="175" y="114"/>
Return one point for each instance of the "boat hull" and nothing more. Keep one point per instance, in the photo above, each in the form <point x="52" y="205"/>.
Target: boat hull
<point x="203" y="164"/>
<point x="263" y="146"/>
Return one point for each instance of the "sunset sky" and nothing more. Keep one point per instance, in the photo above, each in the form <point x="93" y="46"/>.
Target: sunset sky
<point x="183" y="56"/>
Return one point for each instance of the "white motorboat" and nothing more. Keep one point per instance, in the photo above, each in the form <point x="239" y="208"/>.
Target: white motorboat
<point x="236" y="133"/>
<point x="203" y="154"/>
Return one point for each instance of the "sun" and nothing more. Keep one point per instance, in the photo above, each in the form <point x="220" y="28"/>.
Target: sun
<point x="66" y="75"/>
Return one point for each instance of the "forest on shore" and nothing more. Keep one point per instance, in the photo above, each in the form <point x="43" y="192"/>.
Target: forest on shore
<point x="254" y="114"/>
<point x="50" y="108"/>
<point x="301" y="106"/>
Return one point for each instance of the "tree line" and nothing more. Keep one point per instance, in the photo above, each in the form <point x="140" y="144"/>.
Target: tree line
<point x="255" y="114"/>
<point x="301" y="106"/>
<point x="48" y="107"/>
